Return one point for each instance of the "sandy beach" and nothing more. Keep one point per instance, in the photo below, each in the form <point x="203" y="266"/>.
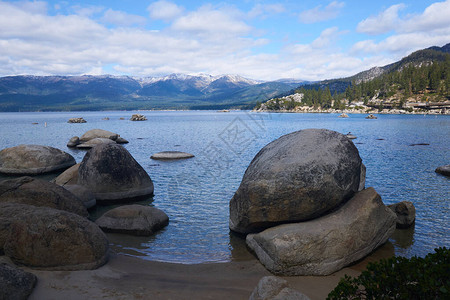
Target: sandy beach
<point x="126" y="277"/>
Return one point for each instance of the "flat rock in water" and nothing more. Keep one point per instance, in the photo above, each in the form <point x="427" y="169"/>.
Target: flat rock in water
<point x="38" y="192"/>
<point x="133" y="219"/>
<point x="50" y="239"/>
<point x="300" y="176"/>
<point x="94" y="142"/>
<point x="15" y="284"/>
<point x="443" y="170"/>
<point x="33" y="160"/>
<point x="98" y="133"/>
<point x="167" y="155"/>
<point x="113" y="175"/>
<point x="73" y="142"/>
<point x="325" y="245"/>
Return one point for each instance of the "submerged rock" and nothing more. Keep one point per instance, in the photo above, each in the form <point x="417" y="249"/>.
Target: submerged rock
<point x="406" y="213"/>
<point x="133" y="219"/>
<point x="33" y="160"/>
<point x="112" y="174"/>
<point x="298" y="177"/>
<point x="327" y="244"/>
<point x="168" y="155"/>
<point x="46" y="238"/>
<point x="15" y="284"/>
<point x="443" y="170"/>
<point x="38" y="192"/>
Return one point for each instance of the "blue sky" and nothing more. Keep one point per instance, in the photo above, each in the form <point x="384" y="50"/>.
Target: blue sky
<point x="264" y="40"/>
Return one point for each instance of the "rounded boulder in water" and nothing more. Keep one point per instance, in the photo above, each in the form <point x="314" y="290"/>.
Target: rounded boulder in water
<point x="300" y="176"/>
<point x="113" y="175"/>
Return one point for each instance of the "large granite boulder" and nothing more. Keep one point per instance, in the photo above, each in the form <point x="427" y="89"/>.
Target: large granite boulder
<point x="329" y="243"/>
<point x="406" y="213"/>
<point x="112" y="174"/>
<point x="133" y="219"/>
<point x="300" y="176"/>
<point x="98" y="133"/>
<point x="33" y="160"/>
<point x="38" y="192"/>
<point x="275" y="288"/>
<point x="46" y="238"/>
<point x="15" y="284"/>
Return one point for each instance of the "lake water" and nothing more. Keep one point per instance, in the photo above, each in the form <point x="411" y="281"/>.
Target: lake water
<point x="195" y="193"/>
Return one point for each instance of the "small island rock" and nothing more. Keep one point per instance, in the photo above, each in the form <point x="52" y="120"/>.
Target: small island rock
<point x="33" y="160"/>
<point x="371" y="116"/>
<point x="299" y="176"/>
<point x="46" y="238"/>
<point x="98" y="133"/>
<point x="113" y="175"/>
<point x="133" y="219"/>
<point x="94" y="142"/>
<point x="76" y="120"/>
<point x="15" y="284"/>
<point x="168" y="155"/>
<point x="38" y="192"/>
<point x="138" y="117"/>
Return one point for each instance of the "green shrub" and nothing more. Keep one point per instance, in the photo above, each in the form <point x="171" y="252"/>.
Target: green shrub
<point x="400" y="278"/>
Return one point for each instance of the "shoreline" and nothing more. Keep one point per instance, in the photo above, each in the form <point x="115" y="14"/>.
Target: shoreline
<point x="126" y="277"/>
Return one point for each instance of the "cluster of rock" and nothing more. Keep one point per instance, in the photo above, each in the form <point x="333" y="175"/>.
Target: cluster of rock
<point x="303" y="204"/>
<point x="76" y="120"/>
<point x="96" y="137"/>
<point x="171" y="155"/>
<point x="371" y="116"/>
<point x="138" y="117"/>
<point x="45" y="224"/>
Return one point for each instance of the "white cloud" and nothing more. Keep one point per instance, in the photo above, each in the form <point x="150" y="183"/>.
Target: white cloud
<point x="212" y="22"/>
<point x="320" y="13"/>
<point x="384" y="22"/>
<point x="164" y="10"/>
<point x="435" y="17"/>
<point x="122" y="19"/>
<point x="265" y="10"/>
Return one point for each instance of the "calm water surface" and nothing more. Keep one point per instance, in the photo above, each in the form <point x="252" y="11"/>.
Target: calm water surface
<point x="195" y="193"/>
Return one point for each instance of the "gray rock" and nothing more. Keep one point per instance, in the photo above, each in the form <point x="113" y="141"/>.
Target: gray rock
<point x="94" y="142"/>
<point x="76" y="120"/>
<point x="46" y="238"/>
<point x="69" y="176"/>
<point x="371" y="116"/>
<point x="299" y="176"/>
<point x="275" y="288"/>
<point x="15" y="284"/>
<point x="443" y="170"/>
<point x="112" y="174"/>
<point x="38" y="192"/>
<point x="73" y="142"/>
<point x="121" y="140"/>
<point x="406" y="213"/>
<point x="82" y="193"/>
<point x="168" y="155"/>
<point x="33" y="160"/>
<point x="327" y="244"/>
<point x="133" y="219"/>
<point x="138" y="117"/>
<point x="98" y="133"/>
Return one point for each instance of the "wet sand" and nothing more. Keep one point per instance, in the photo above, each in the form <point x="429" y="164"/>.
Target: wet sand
<point x="125" y="277"/>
